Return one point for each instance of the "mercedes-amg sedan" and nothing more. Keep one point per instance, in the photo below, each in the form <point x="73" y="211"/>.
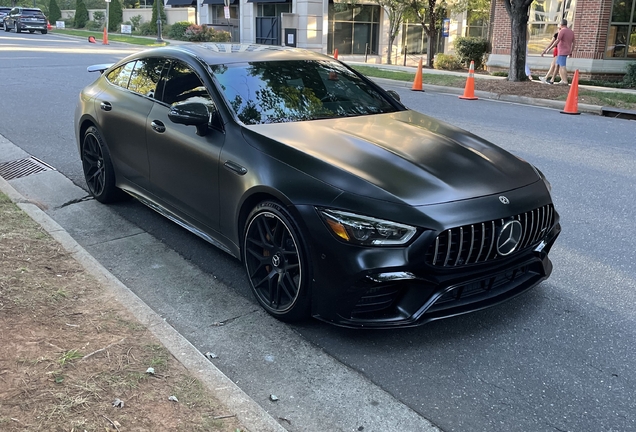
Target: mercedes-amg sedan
<point x="340" y="202"/>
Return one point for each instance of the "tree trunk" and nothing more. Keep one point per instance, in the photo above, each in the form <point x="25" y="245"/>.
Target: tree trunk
<point x="519" y="26"/>
<point x="518" y="13"/>
<point x="390" y="50"/>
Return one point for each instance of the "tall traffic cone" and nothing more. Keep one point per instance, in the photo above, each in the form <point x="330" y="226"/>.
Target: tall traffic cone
<point x="572" y="102"/>
<point x="417" y="82"/>
<point x="335" y="53"/>
<point x="469" y="89"/>
<point x="105" y="39"/>
<point x="48" y="25"/>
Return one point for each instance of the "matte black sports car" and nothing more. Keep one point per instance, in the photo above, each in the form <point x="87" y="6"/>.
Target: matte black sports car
<point x="341" y="203"/>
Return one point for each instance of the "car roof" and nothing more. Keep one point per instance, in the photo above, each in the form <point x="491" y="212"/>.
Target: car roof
<point x="224" y="53"/>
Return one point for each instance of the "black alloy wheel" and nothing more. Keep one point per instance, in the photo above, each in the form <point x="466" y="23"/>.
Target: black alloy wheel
<point x="98" y="168"/>
<point x="276" y="262"/>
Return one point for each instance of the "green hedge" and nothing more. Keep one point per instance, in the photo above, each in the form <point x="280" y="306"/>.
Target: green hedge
<point x="471" y="49"/>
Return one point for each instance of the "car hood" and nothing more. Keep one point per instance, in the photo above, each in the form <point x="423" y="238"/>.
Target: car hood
<point x="410" y="157"/>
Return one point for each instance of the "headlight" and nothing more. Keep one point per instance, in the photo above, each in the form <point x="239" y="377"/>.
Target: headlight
<point x="365" y="230"/>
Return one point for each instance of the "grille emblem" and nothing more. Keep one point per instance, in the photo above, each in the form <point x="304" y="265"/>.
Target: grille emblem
<point x="509" y="237"/>
<point x="504" y="200"/>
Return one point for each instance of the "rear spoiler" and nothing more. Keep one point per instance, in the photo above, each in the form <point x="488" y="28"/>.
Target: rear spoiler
<point x="99" y="68"/>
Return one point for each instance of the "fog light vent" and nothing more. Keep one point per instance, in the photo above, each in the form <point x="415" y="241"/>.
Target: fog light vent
<point x="23" y="168"/>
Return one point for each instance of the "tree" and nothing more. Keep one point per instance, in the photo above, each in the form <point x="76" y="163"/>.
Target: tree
<point x="81" y="14"/>
<point x="157" y="11"/>
<point x="115" y="15"/>
<point x="395" y="10"/>
<point x="518" y="13"/>
<point x="423" y="10"/>
<point x="55" y="14"/>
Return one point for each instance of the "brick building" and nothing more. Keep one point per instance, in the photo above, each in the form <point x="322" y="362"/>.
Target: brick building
<point x="605" y="33"/>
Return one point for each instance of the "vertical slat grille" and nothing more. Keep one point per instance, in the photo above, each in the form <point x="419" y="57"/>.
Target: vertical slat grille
<point x="475" y="243"/>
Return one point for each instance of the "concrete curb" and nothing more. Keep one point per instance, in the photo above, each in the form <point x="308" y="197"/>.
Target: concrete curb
<point x="251" y="415"/>
<point x="524" y="100"/>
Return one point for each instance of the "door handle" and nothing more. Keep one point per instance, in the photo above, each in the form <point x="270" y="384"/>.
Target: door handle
<point x="106" y="106"/>
<point x="157" y="126"/>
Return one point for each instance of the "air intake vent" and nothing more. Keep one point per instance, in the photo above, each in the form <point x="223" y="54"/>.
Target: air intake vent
<point x="23" y="168"/>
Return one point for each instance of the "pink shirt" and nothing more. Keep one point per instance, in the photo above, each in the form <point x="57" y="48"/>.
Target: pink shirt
<point x="565" y="41"/>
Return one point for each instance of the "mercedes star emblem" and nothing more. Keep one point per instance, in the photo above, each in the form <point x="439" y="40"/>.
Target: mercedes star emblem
<point x="509" y="237"/>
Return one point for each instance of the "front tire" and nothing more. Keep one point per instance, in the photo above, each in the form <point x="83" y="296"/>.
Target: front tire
<point x="98" y="168"/>
<point x="16" y="27"/>
<point x="277" y="262"/>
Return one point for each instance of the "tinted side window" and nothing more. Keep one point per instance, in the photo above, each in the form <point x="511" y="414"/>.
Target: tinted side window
<point x="145" y="76"/>
<point x="183" y="84"/>
<point x="121" y="76"/>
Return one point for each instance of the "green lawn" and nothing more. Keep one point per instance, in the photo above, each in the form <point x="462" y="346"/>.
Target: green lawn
<point x="115" y="37"/>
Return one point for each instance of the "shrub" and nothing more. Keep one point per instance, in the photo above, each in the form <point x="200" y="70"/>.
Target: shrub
<point x="146" y="29"/>
<point x="81" y="14"/>
<point x="55" y="14"/>
<point x="94" y="25"/>
<point x="178" y="29"/>
<point x="99" y="17"/>
<point x="197" y="33"/>
<point x="471" y="49"/>
<point x="630" y="77"/>
<point x="446" y="62"/>
<point x="135" y="21"/>
<point x="115" y="16"/>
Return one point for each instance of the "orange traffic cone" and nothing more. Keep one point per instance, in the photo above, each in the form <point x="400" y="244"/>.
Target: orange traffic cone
<point x="572" y="102"/>
<point x="417" y="82"/>
<point x="105" y="39"/>
<point x="335" y="53"/>
<point x="48" y="25"/>
<point x="469" y="90"/>
<point x="91" y="39"/>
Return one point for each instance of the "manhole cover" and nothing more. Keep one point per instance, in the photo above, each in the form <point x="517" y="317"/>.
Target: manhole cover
<point x="23" y="167"/>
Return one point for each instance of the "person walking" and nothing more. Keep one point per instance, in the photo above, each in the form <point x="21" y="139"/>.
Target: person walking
<point x="553" y="66"/>
<point x="565" y="45"/>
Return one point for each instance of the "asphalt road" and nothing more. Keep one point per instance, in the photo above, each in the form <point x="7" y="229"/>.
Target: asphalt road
<point x="558" y="358"/>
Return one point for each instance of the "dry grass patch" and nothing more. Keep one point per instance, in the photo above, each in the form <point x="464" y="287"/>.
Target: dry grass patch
<point x="73" y="359"/>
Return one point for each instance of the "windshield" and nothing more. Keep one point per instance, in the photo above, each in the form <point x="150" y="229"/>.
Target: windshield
<point x="298" y="90"/>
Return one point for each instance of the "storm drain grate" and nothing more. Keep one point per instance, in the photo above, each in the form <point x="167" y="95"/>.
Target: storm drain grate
<point x="23" y="167"/>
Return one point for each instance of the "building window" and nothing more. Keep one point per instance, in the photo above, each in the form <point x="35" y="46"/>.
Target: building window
<point x="272" y="9"/>
<point x="414" y="38"/>
<point x="544" y="19"/>
<point x="621" y="37"/>
<point x="217" y="15"/>
<point x="476" y="24"/>
<point x="353" y="28"/>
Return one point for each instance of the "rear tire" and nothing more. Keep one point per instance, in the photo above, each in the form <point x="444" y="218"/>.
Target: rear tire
<point x="31" y="31"/>
<point x="43" y="31"/>
<point x="98" y="168"/>
<point x="277" y="262"/>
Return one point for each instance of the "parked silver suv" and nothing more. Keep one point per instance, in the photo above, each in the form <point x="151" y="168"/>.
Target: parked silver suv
<point x="30" y="19"/>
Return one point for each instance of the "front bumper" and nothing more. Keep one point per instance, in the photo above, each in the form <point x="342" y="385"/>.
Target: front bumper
<point x="397" y="287"/>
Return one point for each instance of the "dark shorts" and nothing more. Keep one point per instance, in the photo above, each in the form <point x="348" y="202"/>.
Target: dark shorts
<point x="561" y="60"/>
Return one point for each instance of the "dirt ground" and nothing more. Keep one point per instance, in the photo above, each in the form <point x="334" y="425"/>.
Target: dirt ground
<point x="534" y="89"/>
<point x="73" y="359"/>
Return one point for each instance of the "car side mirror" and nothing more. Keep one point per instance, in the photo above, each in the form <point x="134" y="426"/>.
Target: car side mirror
<point x="394" y="94"/>
<point x="191" y="114"/>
